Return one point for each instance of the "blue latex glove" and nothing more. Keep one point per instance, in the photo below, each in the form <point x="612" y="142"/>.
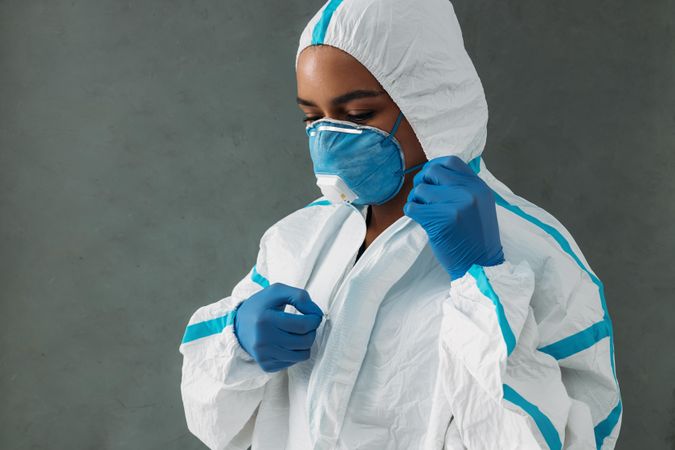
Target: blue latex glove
<point x="457" y="210"/>
<point x="274" y="338"/>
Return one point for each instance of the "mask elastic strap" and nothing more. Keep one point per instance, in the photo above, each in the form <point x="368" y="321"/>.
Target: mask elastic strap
<point x="410" y="169"/>
<point x="398" y="121"/>
<point x="391" y="134"/>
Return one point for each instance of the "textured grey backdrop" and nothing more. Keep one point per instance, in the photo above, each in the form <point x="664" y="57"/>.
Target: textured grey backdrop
<point x="146" y="146"/>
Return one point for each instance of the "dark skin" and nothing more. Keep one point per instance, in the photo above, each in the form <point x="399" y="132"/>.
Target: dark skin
<point x="333" y="84"/>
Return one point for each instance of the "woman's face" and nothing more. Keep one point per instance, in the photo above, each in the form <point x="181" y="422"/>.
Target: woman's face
<point x="333" y="84"/>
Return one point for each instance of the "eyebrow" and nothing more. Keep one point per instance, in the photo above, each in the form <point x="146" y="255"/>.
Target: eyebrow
<point x="344" y="98"/>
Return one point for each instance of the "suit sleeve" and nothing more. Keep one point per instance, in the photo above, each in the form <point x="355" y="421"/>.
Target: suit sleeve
<point x="505" y="392"/>
<point x="221" y="385"/>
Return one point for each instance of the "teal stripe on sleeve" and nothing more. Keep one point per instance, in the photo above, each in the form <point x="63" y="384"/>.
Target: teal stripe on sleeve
<point x="567" y="248"/>
<point x="486" y="289"/>
<point x="585" y="338"/>
<point x="544" y="424"/>
<point x="261" y="280"/>
<point x="604" y="428"/>
<point x="557" y="235"/>
<point x="208" y="327"/>
<point x="560" y="239"/>
<point x="215" y="326"/>
<point x="578" y="342"/>
<point x="474" y="164"/>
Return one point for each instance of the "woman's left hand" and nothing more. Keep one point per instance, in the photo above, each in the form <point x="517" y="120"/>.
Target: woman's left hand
<point x="457" y="210"/>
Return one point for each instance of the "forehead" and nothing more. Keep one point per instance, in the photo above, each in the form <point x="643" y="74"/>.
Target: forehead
<point x="328" y="71"/>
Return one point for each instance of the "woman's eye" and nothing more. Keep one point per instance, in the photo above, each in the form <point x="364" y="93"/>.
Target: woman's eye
<point x="350" y="117"/>
<point x="359" y="117"/>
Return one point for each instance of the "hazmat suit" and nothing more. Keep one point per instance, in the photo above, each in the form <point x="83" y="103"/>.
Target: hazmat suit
<point x="518" y="355"/>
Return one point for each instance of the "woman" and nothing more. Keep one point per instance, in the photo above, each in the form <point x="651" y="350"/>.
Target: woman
<point x="418" y="303"/>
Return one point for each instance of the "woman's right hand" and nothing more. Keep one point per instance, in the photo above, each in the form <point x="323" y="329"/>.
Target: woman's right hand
<point x="274" y="338"/>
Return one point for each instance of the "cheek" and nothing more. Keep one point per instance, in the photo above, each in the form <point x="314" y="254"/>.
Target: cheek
<point x="412" y="149"/>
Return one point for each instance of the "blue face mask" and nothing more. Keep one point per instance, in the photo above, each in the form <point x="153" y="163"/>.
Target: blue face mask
<point x="356" y="163"/>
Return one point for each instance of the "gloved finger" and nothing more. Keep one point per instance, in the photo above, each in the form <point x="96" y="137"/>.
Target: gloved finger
<point x="299" y="298"/>
<point x="436" y="173"/>
<point x="455" y="163"/>
<point x="414" y="210"/>
<point x="283" y="354"/>
<point x="432" y="213"/>
<point x="274" y="365"/>
<point x="441" y="161"/>
<point x="439" y="174"/>
<point x="295" y="323"/>
<point x="419" y="176"/>
<point x="432" y="193"/>
<point x="469" y="186"/>
<point x="293" y="341"/>
<point x="303" y="303"/>
<point x="278" y="295"/>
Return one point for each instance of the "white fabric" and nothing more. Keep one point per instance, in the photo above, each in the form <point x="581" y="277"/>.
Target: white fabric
<point x="407" y="358"/>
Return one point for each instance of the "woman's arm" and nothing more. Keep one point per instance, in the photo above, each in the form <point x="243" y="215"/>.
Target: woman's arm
<point x="221" y="384"/>
<point x="513" y="382"/>
<point x="504" y="390"/>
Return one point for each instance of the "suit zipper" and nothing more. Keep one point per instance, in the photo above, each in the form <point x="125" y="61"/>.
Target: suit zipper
<point x="334" y="292"/>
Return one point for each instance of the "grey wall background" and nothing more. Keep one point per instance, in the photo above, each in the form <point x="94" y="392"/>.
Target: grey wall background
<point x="146" y="146"/>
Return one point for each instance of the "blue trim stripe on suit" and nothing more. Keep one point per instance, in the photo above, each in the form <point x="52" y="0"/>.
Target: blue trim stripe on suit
<point x="583" y="339"/>
<point x="214" y="326"/>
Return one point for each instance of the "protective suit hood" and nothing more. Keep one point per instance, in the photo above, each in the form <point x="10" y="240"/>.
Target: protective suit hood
<point x="416" y="51"/>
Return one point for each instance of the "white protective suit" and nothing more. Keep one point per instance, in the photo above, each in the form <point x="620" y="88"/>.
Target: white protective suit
<point x="515" y="356"/>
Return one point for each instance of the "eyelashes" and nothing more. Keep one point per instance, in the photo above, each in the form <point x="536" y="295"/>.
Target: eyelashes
<point x="350" y="117"/>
